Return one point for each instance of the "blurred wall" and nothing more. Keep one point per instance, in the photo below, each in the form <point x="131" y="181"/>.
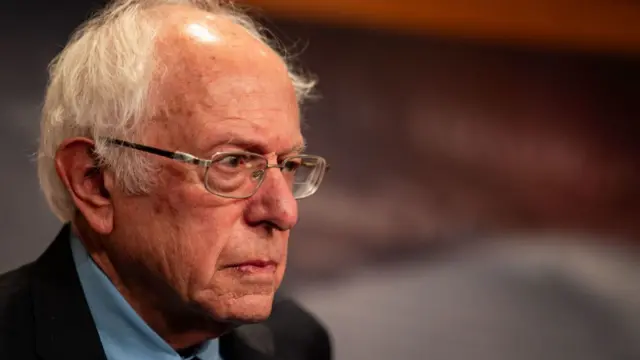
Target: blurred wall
<point x="431" y="141"/>
<point x="436" y="141"/>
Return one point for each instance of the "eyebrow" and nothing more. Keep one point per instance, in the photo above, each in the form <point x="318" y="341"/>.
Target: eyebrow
<point x="261" y="148"/>
<point x="300" y="148"/>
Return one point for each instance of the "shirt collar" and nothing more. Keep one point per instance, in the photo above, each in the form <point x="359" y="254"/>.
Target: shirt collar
<point x="123" y="333"/>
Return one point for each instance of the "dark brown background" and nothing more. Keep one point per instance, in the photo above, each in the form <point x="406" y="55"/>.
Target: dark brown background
<point x="432" y="141"/>
<point x="429" y="139"/>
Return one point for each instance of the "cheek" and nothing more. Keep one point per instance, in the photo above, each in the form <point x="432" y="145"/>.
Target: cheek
<point x="283" y="264"/>
<point x="205" y="244"/>
<point x="197" y="226"/>
<point x="205" y="227"/>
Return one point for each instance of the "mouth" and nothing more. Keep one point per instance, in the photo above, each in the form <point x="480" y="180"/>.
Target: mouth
<point x="254" y="266"/>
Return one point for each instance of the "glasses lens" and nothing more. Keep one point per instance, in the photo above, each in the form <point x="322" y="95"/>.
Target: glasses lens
<point x="304" y="174"/>
<point x="235" y="174"/>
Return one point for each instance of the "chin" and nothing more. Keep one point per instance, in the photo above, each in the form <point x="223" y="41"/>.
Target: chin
<point x="244" y="309"/>
<point x="251" y="308"/>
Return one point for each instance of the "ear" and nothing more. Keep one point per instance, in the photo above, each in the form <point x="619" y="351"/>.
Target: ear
<point x="87" y="184"/>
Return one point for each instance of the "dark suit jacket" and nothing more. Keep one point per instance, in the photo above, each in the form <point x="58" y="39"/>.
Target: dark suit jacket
<point x="44" y="315"/>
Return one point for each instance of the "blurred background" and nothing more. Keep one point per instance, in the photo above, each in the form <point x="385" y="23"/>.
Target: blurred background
<point x="448" y="125"/>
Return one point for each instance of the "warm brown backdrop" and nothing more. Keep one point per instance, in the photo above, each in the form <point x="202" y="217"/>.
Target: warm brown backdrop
<point x="593" y="25"/>
<point x="432" y="139"/>
<point x="445" y="126"/>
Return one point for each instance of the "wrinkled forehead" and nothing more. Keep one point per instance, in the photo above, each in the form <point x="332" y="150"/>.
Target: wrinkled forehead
<point x="217" y="83"/>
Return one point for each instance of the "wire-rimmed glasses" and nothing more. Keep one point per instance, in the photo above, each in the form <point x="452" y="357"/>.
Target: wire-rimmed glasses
<point x="239" y="174"/>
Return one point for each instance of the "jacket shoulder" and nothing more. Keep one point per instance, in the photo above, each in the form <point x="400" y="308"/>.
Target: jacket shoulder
<point x="14" y="291"/>
<point x="290" y="333"/>
<point x="16" y="314"/>
<point x="297" y="332"/>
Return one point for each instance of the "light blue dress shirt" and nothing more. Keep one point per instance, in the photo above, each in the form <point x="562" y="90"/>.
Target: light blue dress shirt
<point x="124" y="335"/>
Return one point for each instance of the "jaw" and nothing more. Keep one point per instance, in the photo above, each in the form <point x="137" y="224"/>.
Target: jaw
<point x="237" y="307"/>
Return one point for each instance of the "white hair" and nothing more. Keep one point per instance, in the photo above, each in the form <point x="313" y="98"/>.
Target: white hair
<point x="99" y="87"/>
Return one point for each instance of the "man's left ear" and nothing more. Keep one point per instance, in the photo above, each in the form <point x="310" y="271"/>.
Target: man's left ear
<point x="87" y="184"/>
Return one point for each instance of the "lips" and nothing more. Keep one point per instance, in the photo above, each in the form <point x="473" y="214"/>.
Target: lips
<point x="254" y="266"/>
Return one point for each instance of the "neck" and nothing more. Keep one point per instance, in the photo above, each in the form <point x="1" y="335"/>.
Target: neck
<point x="174" y="321"/>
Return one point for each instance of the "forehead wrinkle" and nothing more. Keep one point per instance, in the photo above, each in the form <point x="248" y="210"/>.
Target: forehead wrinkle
<point x="242" y="133"/>
<point x="188" y="65"/>
<point x="231" y="82"/>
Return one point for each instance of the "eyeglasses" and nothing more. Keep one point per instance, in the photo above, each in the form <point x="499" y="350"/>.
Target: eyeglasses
<point x="239" y="174"/>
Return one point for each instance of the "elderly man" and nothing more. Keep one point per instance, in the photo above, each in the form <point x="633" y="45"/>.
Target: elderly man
<point x="171" y="148"/>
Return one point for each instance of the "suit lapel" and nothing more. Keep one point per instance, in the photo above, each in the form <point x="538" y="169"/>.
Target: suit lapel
<point x="64" y="325"/>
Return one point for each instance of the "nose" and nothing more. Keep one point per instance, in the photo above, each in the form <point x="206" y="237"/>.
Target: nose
<point x="273" y="204"/>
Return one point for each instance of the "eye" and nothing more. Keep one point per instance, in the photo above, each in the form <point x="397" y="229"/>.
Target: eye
<point x="235" y="160"/>
<point x="291" y="165"/>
